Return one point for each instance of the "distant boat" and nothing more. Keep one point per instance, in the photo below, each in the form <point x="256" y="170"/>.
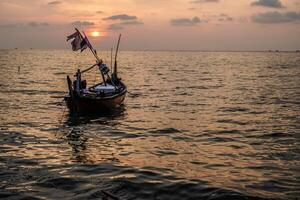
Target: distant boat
<point x="102" y="96"/>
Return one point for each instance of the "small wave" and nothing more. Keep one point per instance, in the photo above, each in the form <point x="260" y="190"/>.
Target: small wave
<point x="198" y="87"/>
<point x="61" y="183"/>
<point x="32" y="92"/>
<point x="6" y="194"/>
<point x="233" y="109"/>
<point x="60" y="73"/>
<point x="221" y="139"/>
<point x="230" y="121"/>
<point x="230" y="131"/>
<point x="274" y="135"/>
<point x="164" y="153"/>
<point x="165" y="131"/>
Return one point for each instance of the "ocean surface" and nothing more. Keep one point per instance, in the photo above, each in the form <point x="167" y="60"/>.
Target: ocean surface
<point x="195" y="125"/>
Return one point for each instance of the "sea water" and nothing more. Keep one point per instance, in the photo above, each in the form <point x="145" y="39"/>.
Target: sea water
<point x="194" y="125"/>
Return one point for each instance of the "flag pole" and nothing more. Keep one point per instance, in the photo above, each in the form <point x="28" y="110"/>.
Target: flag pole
<point x="93" y="51"/>
<point x="89" y="45"/>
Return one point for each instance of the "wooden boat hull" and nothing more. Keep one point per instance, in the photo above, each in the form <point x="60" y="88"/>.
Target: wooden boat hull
<point x="85" y="104"/>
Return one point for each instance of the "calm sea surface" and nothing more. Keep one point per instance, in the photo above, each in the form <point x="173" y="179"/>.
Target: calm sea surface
<point x="196" y="125"/>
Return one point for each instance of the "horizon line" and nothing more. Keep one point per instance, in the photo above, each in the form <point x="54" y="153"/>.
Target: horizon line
<point x="182" y="50"/>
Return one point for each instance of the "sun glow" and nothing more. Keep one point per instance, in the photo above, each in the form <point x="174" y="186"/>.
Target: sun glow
<point x="95" y="34"/>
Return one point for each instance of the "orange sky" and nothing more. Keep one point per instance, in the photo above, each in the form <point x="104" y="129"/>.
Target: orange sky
<point x="155" y="24"/>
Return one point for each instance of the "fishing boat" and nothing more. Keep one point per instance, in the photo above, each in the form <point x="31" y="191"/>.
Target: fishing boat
<point x="103" y="96"/>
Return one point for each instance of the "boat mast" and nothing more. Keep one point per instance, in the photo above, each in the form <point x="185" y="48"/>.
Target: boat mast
<point x="115" y="73"/>
<point x="111" y="61"/>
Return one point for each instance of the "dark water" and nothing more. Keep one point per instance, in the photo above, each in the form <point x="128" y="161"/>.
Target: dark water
<point x="196" y="126"/>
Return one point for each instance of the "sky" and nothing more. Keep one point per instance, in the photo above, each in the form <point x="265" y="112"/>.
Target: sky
<point x="212" y="25"/>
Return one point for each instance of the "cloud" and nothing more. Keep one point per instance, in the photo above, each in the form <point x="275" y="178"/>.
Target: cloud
<point x="99" y="12"/>
<point x="25" y="25"/>
<point x="185" y="21"/>
<point x="205" y="1"/>
<point x="134" y="22"/>
<point x="268" y="3"/>
<point x="82" y="23"/>
<point x="125" y="20"/>
<point x="276" y="17"/>
<point x="38" y="24"/>
<point x="121" y="25"/>
<point x="13" y="25"/>
<point x="122" y="17"/>
<point x="53" y="3"/>
<point x="224" y="17"/>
